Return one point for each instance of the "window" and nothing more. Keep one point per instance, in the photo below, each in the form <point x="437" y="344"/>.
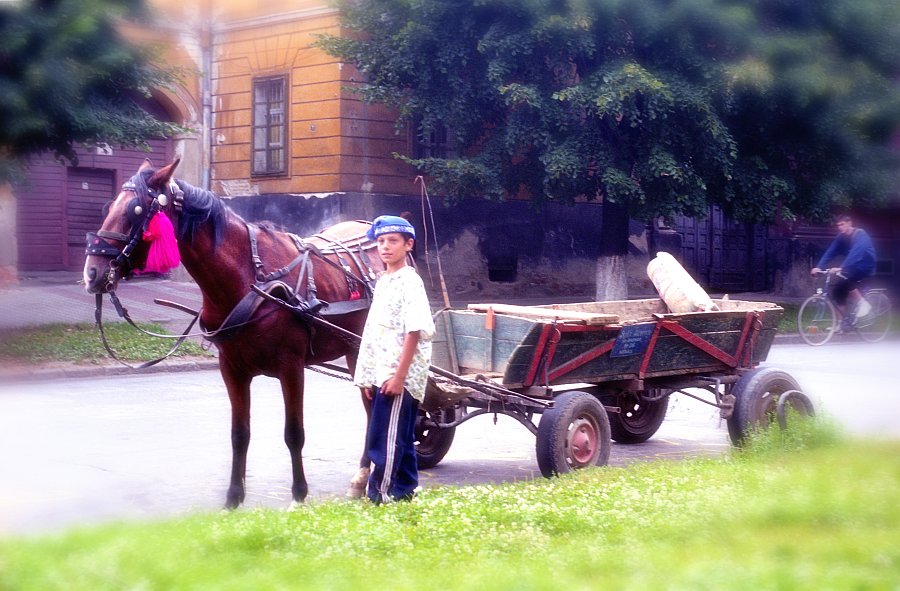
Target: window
<point x="436" y="143"/>
<point x="269" y="126"/>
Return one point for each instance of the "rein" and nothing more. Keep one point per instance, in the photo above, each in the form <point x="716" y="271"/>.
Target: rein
<point x="123" y="313"/>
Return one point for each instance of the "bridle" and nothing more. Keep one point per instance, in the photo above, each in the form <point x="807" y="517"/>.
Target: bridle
<point x="121" y="265"/>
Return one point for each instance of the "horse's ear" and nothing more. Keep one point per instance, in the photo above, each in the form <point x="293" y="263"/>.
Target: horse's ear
<point x="145" y="165"/>
<point x="162" y="176"/>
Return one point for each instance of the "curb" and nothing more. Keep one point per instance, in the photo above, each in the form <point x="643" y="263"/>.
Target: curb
<point x="78" y="372"/>
<point x="71" y="372"/>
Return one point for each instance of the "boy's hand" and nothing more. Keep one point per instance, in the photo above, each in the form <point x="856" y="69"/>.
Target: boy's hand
<point x="393" y="386"/>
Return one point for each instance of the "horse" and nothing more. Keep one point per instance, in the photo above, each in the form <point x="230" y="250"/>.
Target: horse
<point x="227" y="256"/>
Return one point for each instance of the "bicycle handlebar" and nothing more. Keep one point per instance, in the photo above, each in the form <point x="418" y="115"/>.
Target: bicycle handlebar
<point x="827" y="272"/>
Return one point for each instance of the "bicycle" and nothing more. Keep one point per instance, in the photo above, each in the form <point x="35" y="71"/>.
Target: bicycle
<point x="818" y="319"/>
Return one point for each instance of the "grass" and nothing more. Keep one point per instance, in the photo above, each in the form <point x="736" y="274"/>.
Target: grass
<point x="788" y="323"/>
<point x="803" y="512"/>
<point x="80" y="343"/>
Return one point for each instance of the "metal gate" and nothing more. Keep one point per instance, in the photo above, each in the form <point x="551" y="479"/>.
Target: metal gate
<point x="723" y="254"/>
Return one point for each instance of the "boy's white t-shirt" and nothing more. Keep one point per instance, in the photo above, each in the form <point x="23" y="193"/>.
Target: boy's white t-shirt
<point x="399" y="306"/>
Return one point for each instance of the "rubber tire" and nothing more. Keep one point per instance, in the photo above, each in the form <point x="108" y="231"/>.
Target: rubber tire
<point x="628" y="430"/>
<point x="881" y="305"/>
<point x="817" y="300"/>
<point x="553" y="432"/>
<point x="432" y="444"/>
<point x="756" y="400"/>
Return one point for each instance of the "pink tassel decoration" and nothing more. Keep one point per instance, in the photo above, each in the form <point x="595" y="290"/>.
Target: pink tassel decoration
<point x="163" y="255"/>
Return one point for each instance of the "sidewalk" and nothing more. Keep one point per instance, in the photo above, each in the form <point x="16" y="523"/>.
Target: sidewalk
<point x="45" y="298"/>
<point x="59" y="297"/>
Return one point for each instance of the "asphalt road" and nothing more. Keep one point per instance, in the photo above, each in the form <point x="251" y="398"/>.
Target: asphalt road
<point x="146" y="446"/>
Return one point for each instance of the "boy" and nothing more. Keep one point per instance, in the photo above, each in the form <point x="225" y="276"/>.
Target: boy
<point x="394" y="357"/>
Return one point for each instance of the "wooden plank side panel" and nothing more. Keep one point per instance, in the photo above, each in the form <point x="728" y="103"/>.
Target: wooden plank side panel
<point x="477" y="347"/>
<point x="672" y="355"/>
<point x="440" y="344"/>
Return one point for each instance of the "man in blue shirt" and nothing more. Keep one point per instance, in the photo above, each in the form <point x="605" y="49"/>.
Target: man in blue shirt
<point x="856" y="247"/>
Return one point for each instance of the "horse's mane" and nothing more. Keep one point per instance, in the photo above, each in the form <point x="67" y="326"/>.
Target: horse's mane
<point x="199" y="206"/>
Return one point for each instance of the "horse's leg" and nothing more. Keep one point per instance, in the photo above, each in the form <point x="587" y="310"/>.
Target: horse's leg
<point x="238" y="386"/>
<point x="294" y="436"/>
<point x="361" y="478"/>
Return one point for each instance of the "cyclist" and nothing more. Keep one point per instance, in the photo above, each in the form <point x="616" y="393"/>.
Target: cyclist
<point x="855" y="245"/>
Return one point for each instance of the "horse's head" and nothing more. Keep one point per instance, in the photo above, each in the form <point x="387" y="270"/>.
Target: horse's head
<point x="119" y="248"/>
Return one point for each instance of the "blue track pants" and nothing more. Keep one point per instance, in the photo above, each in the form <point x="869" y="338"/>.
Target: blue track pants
<point x="390" y="442"/>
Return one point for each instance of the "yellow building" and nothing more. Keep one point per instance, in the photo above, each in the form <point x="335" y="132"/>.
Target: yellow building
<point x="274" y="113"/>
<point x="268" y="113"/>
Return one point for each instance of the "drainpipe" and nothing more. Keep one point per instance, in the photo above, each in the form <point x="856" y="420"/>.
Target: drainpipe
<point x="206" y="48"/>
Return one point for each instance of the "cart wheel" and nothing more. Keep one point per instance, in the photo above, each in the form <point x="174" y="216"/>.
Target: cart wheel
<point x="757" y="400"/>
<point x="795" y="400"/>
<point x="432" y="443"/>
<point x="573" y="434"/>
<point x="639" y="419"/>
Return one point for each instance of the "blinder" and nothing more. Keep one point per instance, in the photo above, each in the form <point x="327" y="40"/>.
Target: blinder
<point x="97" y="246"/>
<point x="139" y="217"/>
<point x="134" y="210"/>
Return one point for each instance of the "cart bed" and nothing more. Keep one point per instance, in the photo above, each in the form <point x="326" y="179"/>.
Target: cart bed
<point x="536" y="348"/>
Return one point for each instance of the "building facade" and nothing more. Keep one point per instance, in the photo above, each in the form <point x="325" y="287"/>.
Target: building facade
<point x="278" y="132"/>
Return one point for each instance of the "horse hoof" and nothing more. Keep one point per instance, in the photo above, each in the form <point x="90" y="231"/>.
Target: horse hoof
<point x="294" y="506"/>
<point x="358" y="484"/>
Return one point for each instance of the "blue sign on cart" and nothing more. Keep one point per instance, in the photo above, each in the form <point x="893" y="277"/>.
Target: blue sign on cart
<point x="632" y="340"/>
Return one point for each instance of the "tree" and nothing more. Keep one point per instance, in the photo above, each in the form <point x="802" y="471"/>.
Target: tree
<point x="68" y="77"/>
<point x="768" y="108"/>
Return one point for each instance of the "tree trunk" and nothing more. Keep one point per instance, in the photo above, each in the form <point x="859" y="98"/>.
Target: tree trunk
<point x="611" y="273"/>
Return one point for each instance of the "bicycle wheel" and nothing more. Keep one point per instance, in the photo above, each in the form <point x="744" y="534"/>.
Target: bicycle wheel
<point x="875" y="325"/>
<point x="817" y="320"/>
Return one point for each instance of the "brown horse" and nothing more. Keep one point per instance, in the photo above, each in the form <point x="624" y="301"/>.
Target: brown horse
<point x="226" y="256"/>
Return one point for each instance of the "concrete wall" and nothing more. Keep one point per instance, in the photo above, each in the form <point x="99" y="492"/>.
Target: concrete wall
<point x="488" y="250"/>
<point x="8" y="244"/>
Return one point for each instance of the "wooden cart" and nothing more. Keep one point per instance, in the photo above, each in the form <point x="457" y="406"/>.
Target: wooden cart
<point x="599" y="371"/>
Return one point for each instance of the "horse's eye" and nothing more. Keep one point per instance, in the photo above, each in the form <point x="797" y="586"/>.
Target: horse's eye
<point x="106" y="208"/>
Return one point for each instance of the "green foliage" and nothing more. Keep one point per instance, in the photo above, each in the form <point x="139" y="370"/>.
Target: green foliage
<point x="80" y="343"/>
<point x="803" y="433"/>
<point x="824" y="517"/>
<point x="67" y="77"/>
<point x="767" y="108"/>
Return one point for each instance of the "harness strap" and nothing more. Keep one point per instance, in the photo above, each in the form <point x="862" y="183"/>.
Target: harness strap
<point x="98" y="317"/>
<point x="242" y="313"/>
<point x="254" y="250"/>
<point x="361" y="263"/>
<point x="112" y="235"/>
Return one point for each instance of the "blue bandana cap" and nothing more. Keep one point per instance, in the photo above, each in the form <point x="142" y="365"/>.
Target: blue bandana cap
<point x="385" y="224"/>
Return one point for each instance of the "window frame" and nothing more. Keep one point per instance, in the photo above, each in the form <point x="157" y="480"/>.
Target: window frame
<point x="439" y="144"/>
<point x="270" y="148"/>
